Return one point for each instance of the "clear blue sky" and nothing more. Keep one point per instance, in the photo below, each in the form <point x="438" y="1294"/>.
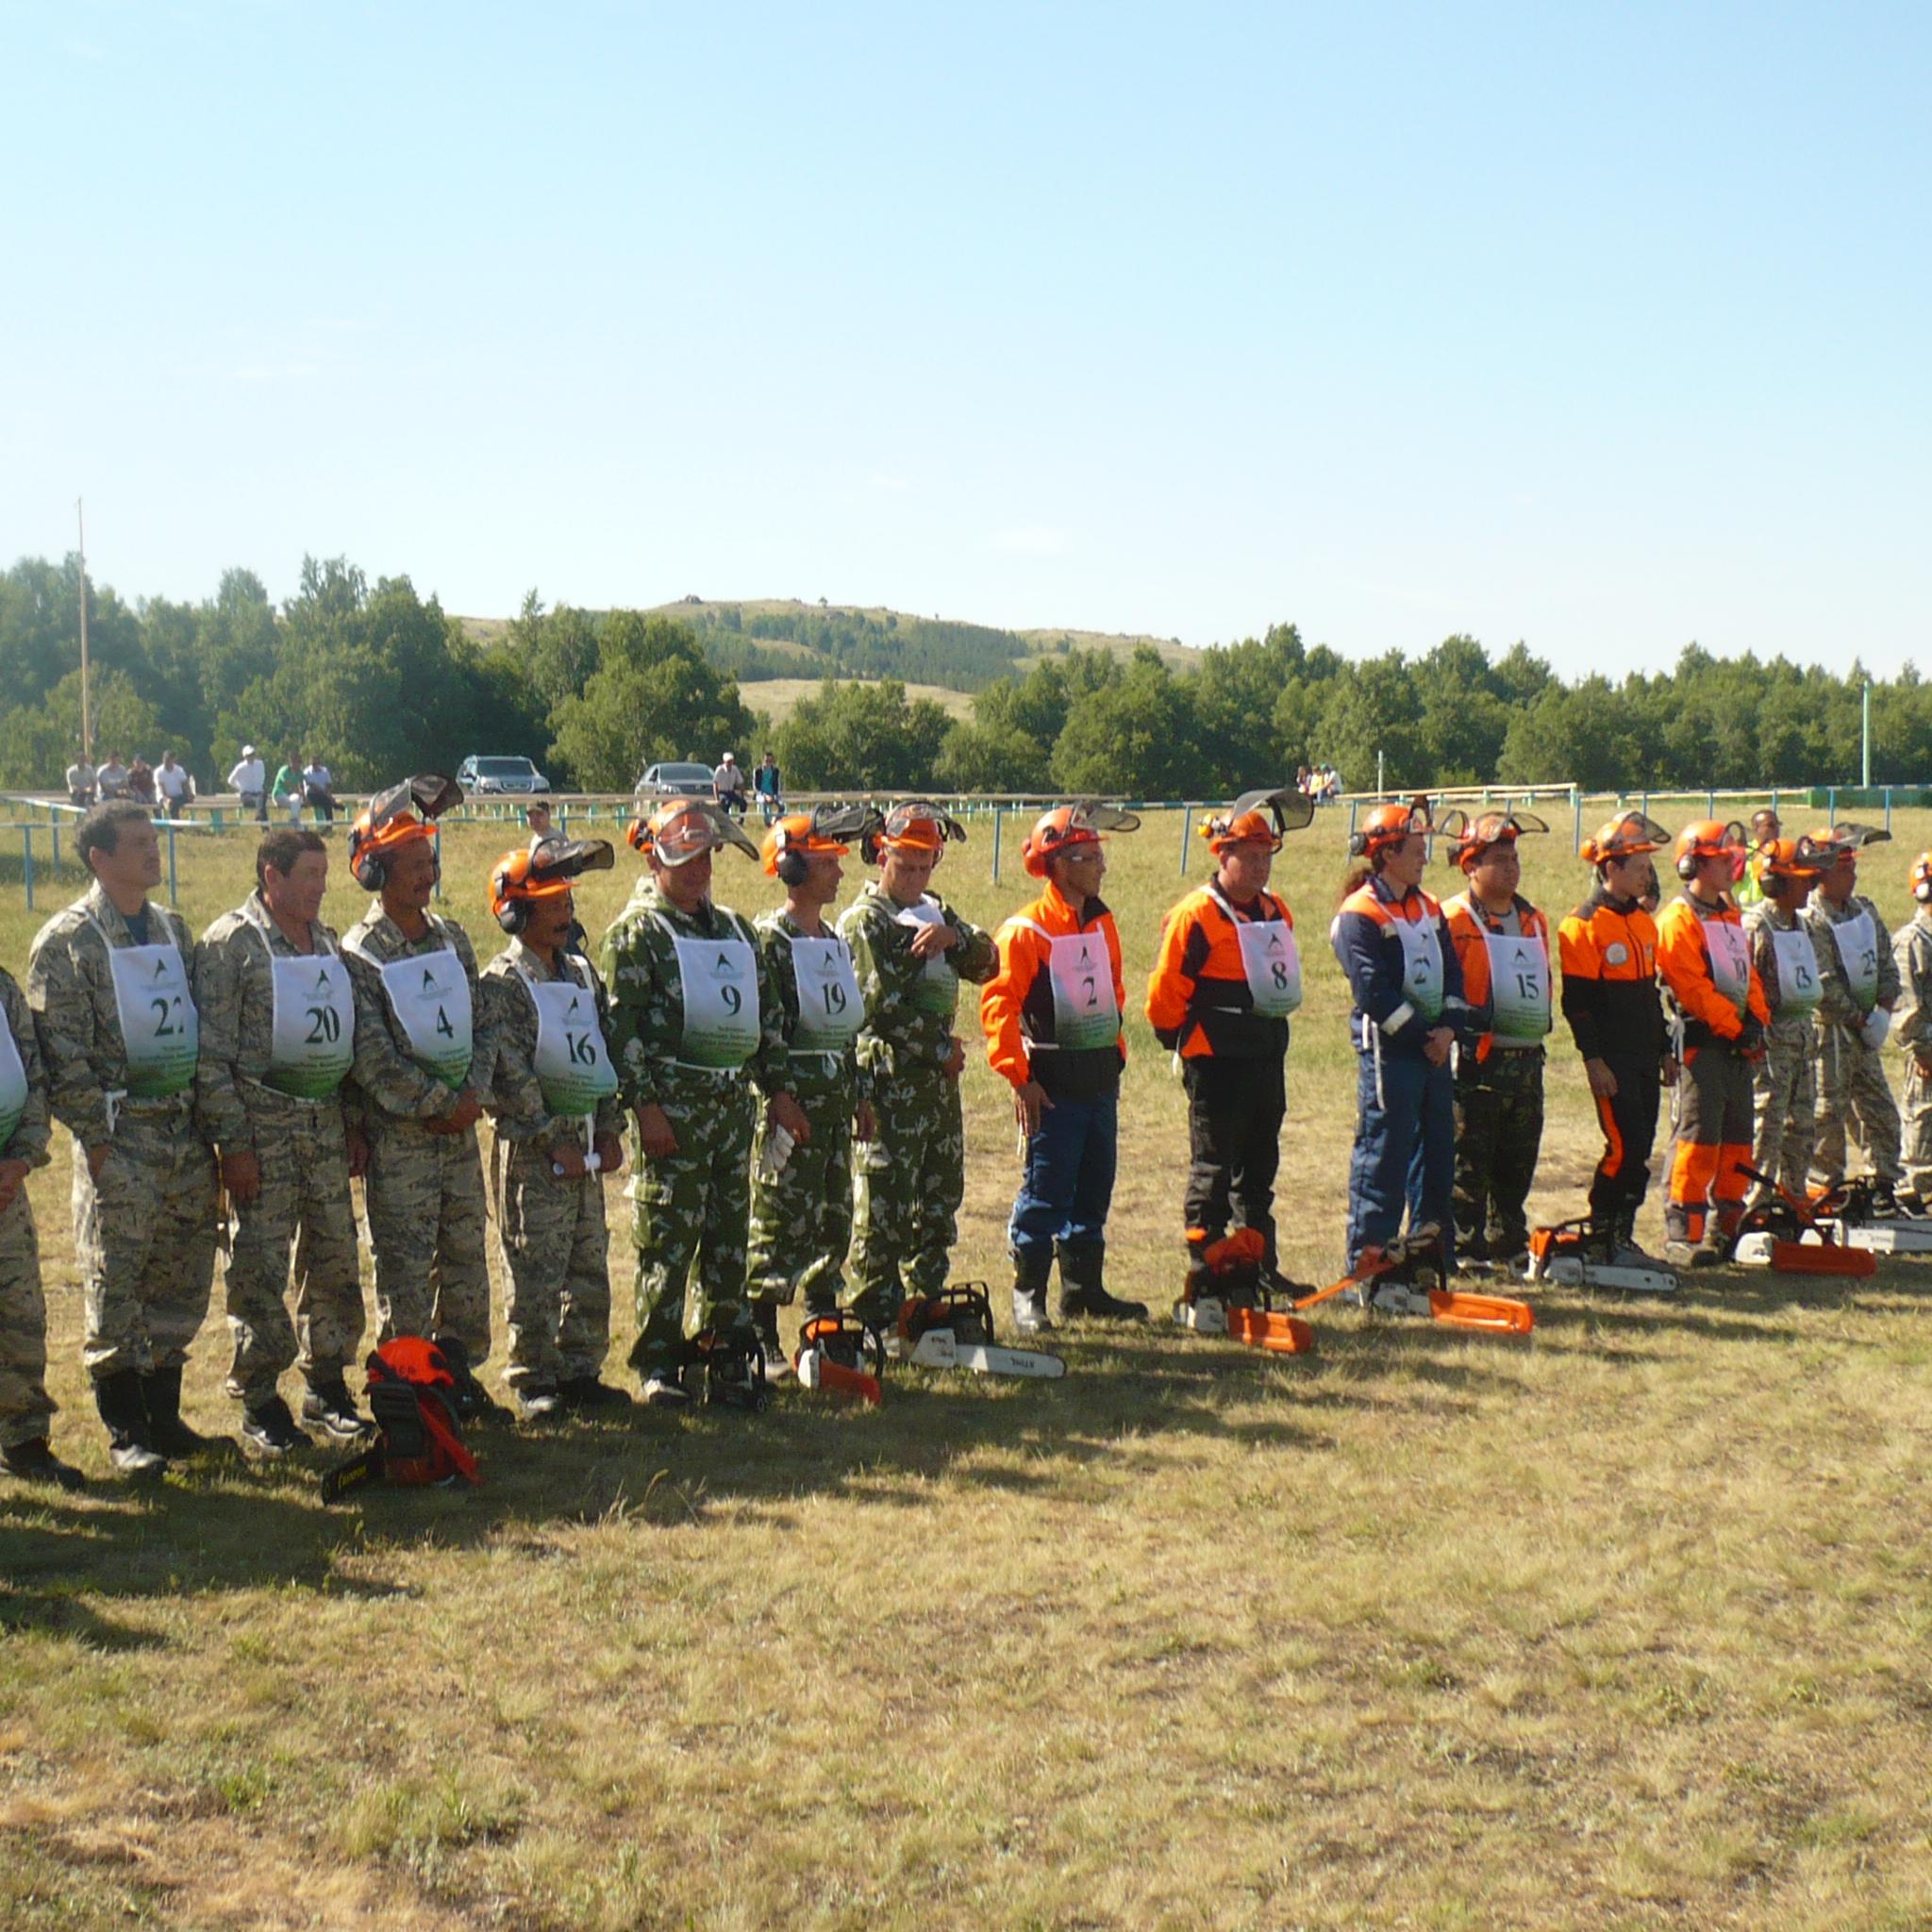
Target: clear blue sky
<point x="1603" y="327"/>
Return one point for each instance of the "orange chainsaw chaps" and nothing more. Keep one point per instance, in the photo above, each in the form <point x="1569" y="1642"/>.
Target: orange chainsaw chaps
<point x="1488" y="1314"/>
<point x="1829" y="1257"/>
<point x="1279" y="1334"/>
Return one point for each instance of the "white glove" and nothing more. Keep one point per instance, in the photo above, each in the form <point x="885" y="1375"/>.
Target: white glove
<point x="1876" y="1028"/>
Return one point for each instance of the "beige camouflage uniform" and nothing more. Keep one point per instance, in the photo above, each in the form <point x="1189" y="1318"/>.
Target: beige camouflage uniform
<point x="424" y="1192"/>
<point x="693" y="1207"/>
<point x="913" y="1177"/>
<point x="551" y="1232"/>
<point x="304" y="1204"/>
<point x="801" y="1221"/>
<point x="1785" y="1089"/>
<point x="1852" y="1088"/>
<point x="145" y="1234"/>
<point x="25" y="1408"/>
<point x="1911" y="1027"/>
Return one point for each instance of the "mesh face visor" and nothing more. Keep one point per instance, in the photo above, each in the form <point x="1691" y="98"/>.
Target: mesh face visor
<point x="556" y="861"/>
<point x="921" y="827"/>
<point x="426" y="796"/>
<point x="1267" y="816"/>
<point x="1473" y="837"/>
<point x="690" y="828"/>
<point x="1626" y="836"/>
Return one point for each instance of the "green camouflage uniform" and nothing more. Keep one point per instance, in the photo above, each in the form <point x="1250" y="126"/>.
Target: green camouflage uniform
<point x="1911" y="1027"/>
<point x="145" y="1234"/>
<point x="693" y="1207"/>
<point x="1852" y="1087"/>
<point x="1785" y="1086"/>
<point x="304" y="1204"/>
<point x="551" y="1233"/>
<point x="800" y="1221"/>
<point x="424" y="1192"/>
<point x="913" y="1177"/>
<point x="25" y="1408"/>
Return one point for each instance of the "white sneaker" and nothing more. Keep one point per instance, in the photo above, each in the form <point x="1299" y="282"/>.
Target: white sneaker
<point x="665" y="1391"/>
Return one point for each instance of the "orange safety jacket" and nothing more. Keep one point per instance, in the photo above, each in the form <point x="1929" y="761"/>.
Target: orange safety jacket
<point x="1683" y="959"/>
<point x="1017" y="1007"/>
<point x="1469" y="929"/>
<point x="1198" y="998"/>
<point x="1608" y="951"/>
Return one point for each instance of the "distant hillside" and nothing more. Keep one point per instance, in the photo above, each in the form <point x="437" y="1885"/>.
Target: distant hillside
<point x="778" y="697"/>
<point x="759" y="639"/>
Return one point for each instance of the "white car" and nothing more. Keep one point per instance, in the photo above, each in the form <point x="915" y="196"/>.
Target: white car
<point x="481" y="777"/>
<point x="676" y="779"/>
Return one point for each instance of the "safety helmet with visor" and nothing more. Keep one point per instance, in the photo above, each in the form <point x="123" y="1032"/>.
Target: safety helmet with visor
<point x="1068" y="828"/>
<point x="546" y="871"/>
<point x="394" y="819"/>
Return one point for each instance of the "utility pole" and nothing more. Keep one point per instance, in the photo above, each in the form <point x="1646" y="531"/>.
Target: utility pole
<point x="1865" y="773"/>
<point x="1378" y="771"/>
<point x="87" y="728"/>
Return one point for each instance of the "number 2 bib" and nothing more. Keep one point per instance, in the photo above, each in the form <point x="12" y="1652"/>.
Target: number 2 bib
<point x="312" y="1037"/>
<point x="1518" y="986"/>
<point x="572" y="1065"/>
<point x="829" y="1011"/>
<point x="159" y="1028"/>
<point x="1085" y="1013"/>
<point x="1421" y="965"/>
<point x="12" y="1085"/>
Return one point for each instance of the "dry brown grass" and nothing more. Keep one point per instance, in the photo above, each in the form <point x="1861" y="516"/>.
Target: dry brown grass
<point x="1627" y="1627"/>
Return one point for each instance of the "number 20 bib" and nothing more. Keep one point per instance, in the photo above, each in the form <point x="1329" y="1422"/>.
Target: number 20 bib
<point x="312" y="1037"/>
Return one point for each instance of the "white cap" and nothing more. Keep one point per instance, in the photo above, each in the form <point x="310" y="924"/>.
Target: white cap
<point x="729" y="758"/>
<point x="247" y="750"/>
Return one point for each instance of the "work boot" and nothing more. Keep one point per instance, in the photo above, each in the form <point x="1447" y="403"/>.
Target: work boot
<point x="666" y="1389"/>
<point x="1032" y="1271"/>
<point x="130" y="1448"/>
<point x="1083" y="1290"/>
<point x="1624" y="1250"/>
<point x="160" y="1389"/>
<point x="1713" y="1249"/>
<point x="765" y="1317"/>
<point x="1885" y="1204"/>
<point x="535" y="1403"/>
<point x="269" y="1430"/>
<point x="587" y="1392"/>
<point x="330" y="1410"/>
<point x="34" y="1461"/>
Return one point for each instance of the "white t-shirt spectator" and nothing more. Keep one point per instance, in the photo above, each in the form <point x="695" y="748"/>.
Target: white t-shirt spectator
<point x="316" y="777"/>
<point x="248" y="777"/>
<point x="112" y="780"/>
<point x="727" y="778"/>
<point x="172" y="782"/>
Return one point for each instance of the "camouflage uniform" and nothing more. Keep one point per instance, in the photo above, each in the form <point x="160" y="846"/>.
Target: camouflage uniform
<point x="145" y="1234"/>
<point x="913" y="1177"/>
<point x="800" y="1222"/>
<point x="25" y="1408"/>
<point x="1911" y="1027"/>
<point x="424" y="1192"/>
<point x="694" y="1206"/>
<point x="551" y="1232"/>
<point x="1785" y="1088"/>
<point x="1852" y="1087"/>
<point x="301" y="1146"/>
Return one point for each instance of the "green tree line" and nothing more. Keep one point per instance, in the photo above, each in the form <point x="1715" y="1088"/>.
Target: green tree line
<point x="378" y="680"/>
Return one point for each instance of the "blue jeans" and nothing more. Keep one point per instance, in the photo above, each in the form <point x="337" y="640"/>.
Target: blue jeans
<point x="1068" y="1185"/>
<point x="1404" y="1151"/>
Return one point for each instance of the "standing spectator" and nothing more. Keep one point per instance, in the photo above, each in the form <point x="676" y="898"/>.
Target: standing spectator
<point x="537" y="817"/>
<point x="287" y="791"/>
<point x="1911" y="954"/>
<point x="770" y="794"/>
<point x="110" y="781"/>
<point x="1792" y="966"/>
<point x="81" y="778"/>
<point x="1766" y="829"/>
<point x="728" y="786"/>
<point x="173" y="787"/>
<point x="249" y="782"/>
<point x="319" y="791"/>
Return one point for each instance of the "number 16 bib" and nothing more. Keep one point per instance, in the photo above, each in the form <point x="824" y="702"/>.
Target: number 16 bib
<point x="572" y="1064"/>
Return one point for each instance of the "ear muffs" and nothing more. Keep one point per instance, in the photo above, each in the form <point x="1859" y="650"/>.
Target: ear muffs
<point x="369" y="871"/>
<point x="1357" y="845"/>
<point x="514" y="917"/>
<point x="1687" y="867"/>
<point x="792" y="868"/>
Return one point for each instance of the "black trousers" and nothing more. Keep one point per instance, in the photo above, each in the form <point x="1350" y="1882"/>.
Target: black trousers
<point x="1628" y="1120"/>
<point x="1499" y="1133"/>
<point x="1235" y="1110"/>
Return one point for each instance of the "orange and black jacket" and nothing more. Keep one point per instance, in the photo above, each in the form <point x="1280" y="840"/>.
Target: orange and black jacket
<point x="1609" y="950"/>
<point x="1683" y="959"/>
<point x="1016" y="1009"/>
<point x="1198" y="999"/>
<point x="1469" y="926"/>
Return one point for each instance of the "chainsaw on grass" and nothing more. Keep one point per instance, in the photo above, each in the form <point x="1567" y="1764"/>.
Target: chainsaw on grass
<point x="1225" y="1294"/>
<point x="1403" y="1278"/>
<point x="952" y="1329"/>
<point x="1580" y="1254"/>
<point x="1789" y="1233"/>
<point x="1852" y="1205"/>
<point x="838" y="1353"/>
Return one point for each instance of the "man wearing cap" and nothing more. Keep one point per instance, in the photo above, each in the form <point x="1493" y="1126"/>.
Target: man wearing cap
<point x="1612" y="1004"/>
<point x="277" y="1038"/>
<point x="554" y="1100"/>
<point x="727" y="785"/>
<point x="1790" y="958"/>
<point x="1503" y="944"/>
<point x="1052" y="1019"/>
<point x="695" y="1020"/>
<point x="1911" y="1025"/>
<point x="801" y="1194"/>
<point x="249" y="782"/>
<point x="421" y="1069"/>
<point x="82" y="780"/>
<point x="910" y="951"/>
<point x="108" y="982"/>
<point x="1861" y="986"/>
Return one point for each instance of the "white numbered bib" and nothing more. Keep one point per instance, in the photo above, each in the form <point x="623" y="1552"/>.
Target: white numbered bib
<point x="829" y="1009"/>
<point x="1421" y="965"/>
<point x="12" y="1085"/>
<point x="160" y="1029"/>
<point x="572" y="1064"/>
<point x="429" y="993"/>
<point x="313" y="1038"/>
<point x="1730" y="959"/>
<point x="1273" y="963"/>
<point x="938" y="990"/>
<point x="721" y="1001"/>
<point x="1518" y="986"/>
<point x="1858" y="952"/>
<point x="1085" y="1012"/>
<point x="1799" y="989"/>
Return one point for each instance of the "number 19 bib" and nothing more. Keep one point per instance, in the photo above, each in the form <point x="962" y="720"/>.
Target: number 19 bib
<point x="829" y="1010"/>
<point x="159" y="1028"/>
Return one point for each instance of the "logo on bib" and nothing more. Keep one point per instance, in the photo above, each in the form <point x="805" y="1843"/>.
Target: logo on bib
<point x="161" y="968"/>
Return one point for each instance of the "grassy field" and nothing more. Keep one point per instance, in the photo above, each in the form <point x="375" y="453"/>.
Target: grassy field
<point x="778" y="697"/>
<point x="1629" y="1626"/>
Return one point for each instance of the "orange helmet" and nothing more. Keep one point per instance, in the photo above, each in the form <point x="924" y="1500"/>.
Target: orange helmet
<point x="1789" y="859"/>
<point x="1627" y="836"/>
<point x="918" y="825"/>
<point x="1265" y="817"/>
<point x="683" y="828"/>
<point x="1708" y="839"/>
<point x="1069" y="826"/>
<point x="1474" y="835"/>
<point x="394" y="819"/>
<point x="1922" y="879"/>
<point x="542" y="872"/>
<point x="1385" y="826"/>
<point x="815" y="834"/>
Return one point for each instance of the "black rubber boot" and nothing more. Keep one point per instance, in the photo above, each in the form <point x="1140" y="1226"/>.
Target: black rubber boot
<point x="1083" y="1290"/>
<point x="34" y="1461"/>
<point x="765" y="1316"/>
<point x="130" y="1447"/>
<point x="160" y="1391"/>
<point x="1031" y="1274"/>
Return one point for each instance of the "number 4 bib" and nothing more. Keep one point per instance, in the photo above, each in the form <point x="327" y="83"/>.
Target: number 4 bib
<point x="429" y="994"/>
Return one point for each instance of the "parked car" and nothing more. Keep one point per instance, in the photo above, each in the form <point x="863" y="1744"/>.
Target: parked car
<point x="481" y="775"/>
<point x="676" y="779"/>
